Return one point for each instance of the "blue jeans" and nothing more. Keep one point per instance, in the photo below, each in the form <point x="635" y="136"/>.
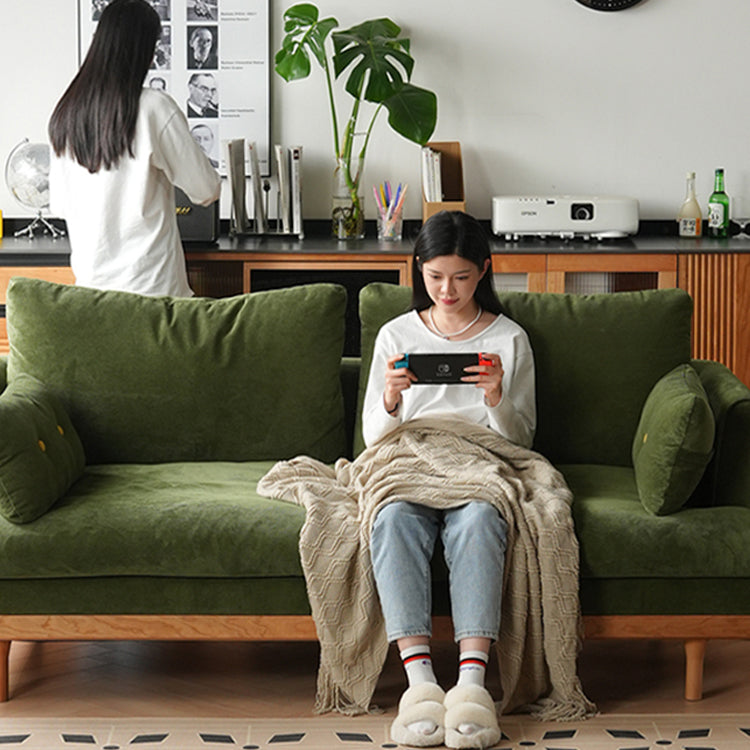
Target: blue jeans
<point x="474" y="538"/>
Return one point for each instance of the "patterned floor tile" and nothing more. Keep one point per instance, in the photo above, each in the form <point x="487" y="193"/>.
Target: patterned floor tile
<point x="628" y="732"/>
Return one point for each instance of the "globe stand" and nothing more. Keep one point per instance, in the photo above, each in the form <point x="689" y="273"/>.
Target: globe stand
<point x="40" y="222"/>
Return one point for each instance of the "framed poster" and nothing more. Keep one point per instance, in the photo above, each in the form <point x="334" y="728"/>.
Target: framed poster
<point x="213" y="58"/>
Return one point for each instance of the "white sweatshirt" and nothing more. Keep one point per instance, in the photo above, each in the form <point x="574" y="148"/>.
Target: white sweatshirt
<point x="514" y="417"/>
<point x="122" y="221"/>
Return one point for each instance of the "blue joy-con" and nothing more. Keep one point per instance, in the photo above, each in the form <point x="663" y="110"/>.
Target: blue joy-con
<point x="403" y="362"/>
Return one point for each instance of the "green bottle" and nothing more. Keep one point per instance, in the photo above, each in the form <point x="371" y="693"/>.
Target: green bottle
<point x="718" y="208"/>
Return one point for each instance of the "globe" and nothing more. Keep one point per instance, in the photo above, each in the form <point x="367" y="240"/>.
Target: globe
<point x="27" y="178"/>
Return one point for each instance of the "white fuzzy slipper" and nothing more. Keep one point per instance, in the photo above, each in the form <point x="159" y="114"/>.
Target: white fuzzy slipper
<point x="420" y="703"/>
<point x="470" y="705"/>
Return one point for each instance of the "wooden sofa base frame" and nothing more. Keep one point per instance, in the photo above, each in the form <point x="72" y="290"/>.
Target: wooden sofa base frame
<point x="693" y="630"/>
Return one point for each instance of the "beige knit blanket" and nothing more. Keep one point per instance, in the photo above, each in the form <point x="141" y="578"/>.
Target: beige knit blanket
<point x="440" y="462"/>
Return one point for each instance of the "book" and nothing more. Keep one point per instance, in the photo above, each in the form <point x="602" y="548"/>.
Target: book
<point x="432" y="187"/>
<point x="295" y="180"/>
<point x="282" y="170"/>
<point x="237" y="184"/>
<point x="259" y="213"/>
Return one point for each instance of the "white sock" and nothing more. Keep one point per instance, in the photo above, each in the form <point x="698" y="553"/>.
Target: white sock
<point x="472" y="667"/>
<point x="417" y="661"/>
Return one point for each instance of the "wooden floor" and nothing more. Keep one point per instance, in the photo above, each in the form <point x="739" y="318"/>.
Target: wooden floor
<point x="270" y="680"/>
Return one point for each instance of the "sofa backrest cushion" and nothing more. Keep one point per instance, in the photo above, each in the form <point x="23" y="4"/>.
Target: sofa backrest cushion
<point x="157" y="379"/>
<point x="41" y="455"/>
<point x="597" y="358"/>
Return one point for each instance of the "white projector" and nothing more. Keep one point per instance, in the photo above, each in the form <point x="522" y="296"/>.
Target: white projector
<point x="564" y="216"/>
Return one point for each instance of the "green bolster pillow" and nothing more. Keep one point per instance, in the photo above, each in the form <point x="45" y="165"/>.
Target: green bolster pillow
<point x="40" y="452"/>
<point x="674" y="441"/>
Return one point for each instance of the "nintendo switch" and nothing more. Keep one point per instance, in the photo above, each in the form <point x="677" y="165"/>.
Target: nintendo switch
<point x="432" y="369"/>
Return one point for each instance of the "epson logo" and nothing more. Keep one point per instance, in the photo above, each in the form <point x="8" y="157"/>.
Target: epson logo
<point x="528" y="213"/>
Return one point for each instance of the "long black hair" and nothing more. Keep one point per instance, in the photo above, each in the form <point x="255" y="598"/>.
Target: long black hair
<point x="453" y="233"/>
<point x="96" y="116"/>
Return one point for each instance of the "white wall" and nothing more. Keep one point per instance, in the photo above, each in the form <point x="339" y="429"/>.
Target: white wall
<point x="546" y="96"/>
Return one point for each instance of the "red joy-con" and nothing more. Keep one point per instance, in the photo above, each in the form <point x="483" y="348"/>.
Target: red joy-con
<point x="484" y="361"/>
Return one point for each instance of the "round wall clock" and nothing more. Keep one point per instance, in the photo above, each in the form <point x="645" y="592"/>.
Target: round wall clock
<point x="608" y="4"/>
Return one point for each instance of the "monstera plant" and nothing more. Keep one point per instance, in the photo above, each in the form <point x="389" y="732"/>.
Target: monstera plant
<point x="378" y="67"/>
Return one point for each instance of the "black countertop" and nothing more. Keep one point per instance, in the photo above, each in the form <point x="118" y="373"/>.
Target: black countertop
<point x="43" y="250"/>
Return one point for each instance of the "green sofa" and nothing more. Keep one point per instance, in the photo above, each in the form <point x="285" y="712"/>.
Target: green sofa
<point x="133" y="431"/>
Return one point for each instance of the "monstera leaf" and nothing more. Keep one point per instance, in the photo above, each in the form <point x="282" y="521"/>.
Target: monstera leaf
<point x="412" y="112"/>
<point x="305" y="35"/>
<point x="382" y="63"/>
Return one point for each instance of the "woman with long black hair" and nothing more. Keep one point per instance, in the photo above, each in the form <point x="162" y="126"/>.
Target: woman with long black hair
<point x="118" y="151"/>
<point x="454" y="310"/>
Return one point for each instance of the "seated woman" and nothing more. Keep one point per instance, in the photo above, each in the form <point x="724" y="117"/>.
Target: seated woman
<point x="454" y="310"/>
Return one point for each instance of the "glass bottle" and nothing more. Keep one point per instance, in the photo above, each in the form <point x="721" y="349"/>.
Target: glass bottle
<point x="718" y="208"/>
<point x="690" y="217"/>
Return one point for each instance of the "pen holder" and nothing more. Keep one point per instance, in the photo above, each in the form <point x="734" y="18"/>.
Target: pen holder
<point x="390" y="228"/>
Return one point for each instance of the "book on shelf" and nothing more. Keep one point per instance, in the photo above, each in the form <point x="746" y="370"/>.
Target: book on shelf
<point x="284" y="203"/>
<point x="295" y="180"/>
<point x="237" y="184"/>
<point x="432" y="184"/>
<point x="259" y="212"/>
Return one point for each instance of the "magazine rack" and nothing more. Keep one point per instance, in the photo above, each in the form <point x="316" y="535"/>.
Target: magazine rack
<point x="452" y="178"/>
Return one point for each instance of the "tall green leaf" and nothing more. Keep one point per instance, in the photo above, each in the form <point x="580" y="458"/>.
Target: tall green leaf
<point x="412" y="112"/>
<point x="380" y="59"/>
<point x="305" y="36"/>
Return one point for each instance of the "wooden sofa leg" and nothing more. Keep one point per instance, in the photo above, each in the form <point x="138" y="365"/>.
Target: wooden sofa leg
<point x="4" y="669"/>
<point x="695" y="651"/>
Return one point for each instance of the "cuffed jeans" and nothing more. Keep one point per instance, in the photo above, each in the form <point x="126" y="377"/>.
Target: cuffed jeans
<point x="474" y="538"/>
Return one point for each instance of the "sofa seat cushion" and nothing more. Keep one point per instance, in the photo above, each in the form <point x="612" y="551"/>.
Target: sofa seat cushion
<point x="180" y="520"/>
<point x="620" y="539"/>
<point x="158" y="379"/>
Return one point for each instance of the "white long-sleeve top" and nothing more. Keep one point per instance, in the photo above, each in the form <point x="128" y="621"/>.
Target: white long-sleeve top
<point x="122" y="221"/>
<point x="514" y="417"/>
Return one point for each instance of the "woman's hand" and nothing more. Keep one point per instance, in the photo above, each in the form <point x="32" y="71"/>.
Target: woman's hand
<point x="489" y="377"/>
<point x="397" y="380"/>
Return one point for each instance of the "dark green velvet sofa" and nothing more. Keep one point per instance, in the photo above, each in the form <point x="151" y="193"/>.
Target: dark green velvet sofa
<point x="133" y="431"/>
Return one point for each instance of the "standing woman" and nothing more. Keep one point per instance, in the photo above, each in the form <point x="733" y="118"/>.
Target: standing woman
<point x="118" y="151"/>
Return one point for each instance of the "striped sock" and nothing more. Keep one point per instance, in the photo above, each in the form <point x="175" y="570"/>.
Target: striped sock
<point x="417" y="661"/>
<point x="472" y="667"/>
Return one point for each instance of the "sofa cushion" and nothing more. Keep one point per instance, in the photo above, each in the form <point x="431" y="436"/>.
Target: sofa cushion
<point x="183" y="520"/>
<point x="673" y="442"/>
<point x="154" y="379"/>
<point x="620" y="539"/>
<point x="40" y="452"/>
<point x="597" y="358"/>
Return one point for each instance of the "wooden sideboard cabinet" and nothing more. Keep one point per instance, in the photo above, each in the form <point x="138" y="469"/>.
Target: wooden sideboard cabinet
<point x="715" y="272"/>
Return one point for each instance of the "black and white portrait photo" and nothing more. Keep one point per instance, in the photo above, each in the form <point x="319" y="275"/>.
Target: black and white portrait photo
<point x="203" y="46"/>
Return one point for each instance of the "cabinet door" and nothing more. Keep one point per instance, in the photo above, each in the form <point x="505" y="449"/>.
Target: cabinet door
<point x="58" y="274"/>
<point x="719" y="284"/>
<point x="610" y="272"/>
<point x="514" y="272"/>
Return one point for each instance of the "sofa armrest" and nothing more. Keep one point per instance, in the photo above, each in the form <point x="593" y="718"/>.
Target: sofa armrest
<point x="729" y="470"/>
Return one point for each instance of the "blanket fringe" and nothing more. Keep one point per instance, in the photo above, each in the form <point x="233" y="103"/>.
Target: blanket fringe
<point x="330" y="697"/>
<point x="548" y="709"/>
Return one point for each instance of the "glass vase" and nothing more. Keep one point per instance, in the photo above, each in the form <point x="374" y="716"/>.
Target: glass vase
<point x="347" y="209"/>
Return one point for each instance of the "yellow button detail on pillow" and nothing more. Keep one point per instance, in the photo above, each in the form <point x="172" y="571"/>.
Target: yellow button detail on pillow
<point x="42" y="446"/>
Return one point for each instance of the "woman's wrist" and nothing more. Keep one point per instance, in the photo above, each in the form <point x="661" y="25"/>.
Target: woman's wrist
<point x="394" y="410"/>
